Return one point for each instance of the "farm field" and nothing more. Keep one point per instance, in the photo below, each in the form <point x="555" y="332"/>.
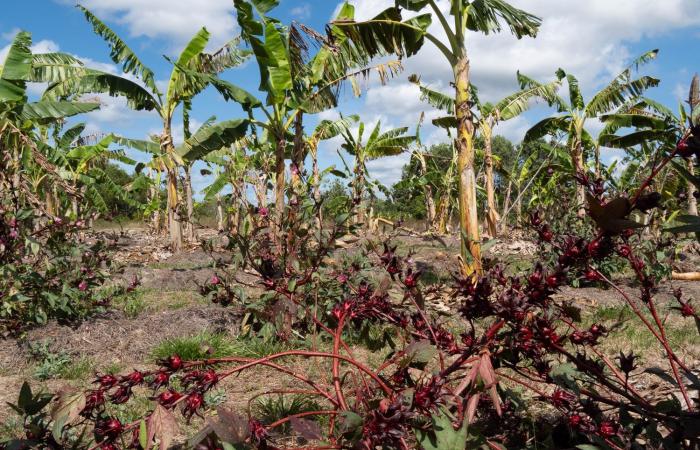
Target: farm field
<point x="347" y="225"/>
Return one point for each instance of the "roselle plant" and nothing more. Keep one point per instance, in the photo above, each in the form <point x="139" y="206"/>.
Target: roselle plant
<point x="468" y="381"/>
<point x="46" y="270"/>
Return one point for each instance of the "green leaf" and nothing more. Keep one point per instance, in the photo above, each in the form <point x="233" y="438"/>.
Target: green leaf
<point x="11" y="91"/>
<point x="442" y="435"/>
<point x="277" y="63"/>
<point x="94" y="82"/>
<point x="50" y="110"/>
<point x="210" y="138"/>
<point x="143" y="434"/>
<point x="565" y="375"/>
<point x="386" y="34"/>
<point x="25" y="396"/>
<point x="264" y="6"/>
<point x="66" y="410"/>
<point x="349" y="422"/>
<point x="413" y="5"/>
<point x="178" y="88"/>
<point x="18" y="62"/>
<point x="121" y="53"/>
<point x="420" y="352"/>
<point x="486" y="16"/>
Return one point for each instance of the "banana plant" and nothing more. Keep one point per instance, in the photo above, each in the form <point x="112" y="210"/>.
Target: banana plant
<point x="388" y="33"/>
<point x="294" y="83"/>
<point x="487" y="116"/>
<point x="653" y="123"/>
<point x="325" y="130"/>
<point x="379" y="144"/>
<point x="147" y="95"/>
<point x="20" y="119"/>
<point x="575" y="113"/>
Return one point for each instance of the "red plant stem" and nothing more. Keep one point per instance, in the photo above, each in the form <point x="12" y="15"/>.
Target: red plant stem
<point x="291" y="373"/>
<point x="612" y="445"/>
<point x="251" y="363"/>
<point x="329" y="412"/>
<point x="430" y="328"/>
<point x="336" y="364"/>
<point x="523" y="383"/>
<point x="313" y="317"/>
<point x="660" y="336"/>
<point x="648" y="324"/>
<point x="623" y="380"/>
<point x="652" y="175"/>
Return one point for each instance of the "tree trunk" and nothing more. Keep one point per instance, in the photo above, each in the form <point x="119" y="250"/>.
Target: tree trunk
<point x="441" y="216"/>
<point x="358" y="186"/>
<point x="260" y="189"/>
<point x="492" y="216"/>
<point x="428" y="194"/>
<point x="468" y="219"/>
<point x="236" y="204"/>
<point x="153" y="197"/>
<point x="219" y="214"/>
<point x="279" y="180"/>
<point x="503" y="222"/>
<point x="174" y="219"/>
<point x="580" y="200"/>
<point x="75" y="208"/>
<point x="692" y="201"/>
<point x="189" y="223"/>
<point x="316" y="182"/>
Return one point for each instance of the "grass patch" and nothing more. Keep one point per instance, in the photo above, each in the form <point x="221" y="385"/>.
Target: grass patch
<point x="11" y="429"/>
<point x="217" y="345"/>
<point x="142" y="300"/>
<point x="200" y="346"/>
<point x="78" y="370"/>
<point x="272" y="408"/>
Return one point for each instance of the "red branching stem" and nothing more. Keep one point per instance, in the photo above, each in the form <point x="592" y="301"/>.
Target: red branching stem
<point x="522" y="383"/>
<point x="261" y="361"/>
<point x="646" y="322"/>
<point x="328" y="412"/>
<point x="336" y="364"/>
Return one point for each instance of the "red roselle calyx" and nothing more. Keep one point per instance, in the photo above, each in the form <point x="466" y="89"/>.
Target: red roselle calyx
<point x="160" y="379"/>
<point x="133" y="379"/>
<point x="591" y="275"/>
<point x="208" y="379"/>
<point x="257" y="430"/>
<point x="106" y="381"/>
<point x="172" y="362"/>
<point x="121" y="395"/>
<point x="168" y="398"/>
<point x="607" y="429"/>
<point x="193" y="404"/>
<point x="109" y="429"/>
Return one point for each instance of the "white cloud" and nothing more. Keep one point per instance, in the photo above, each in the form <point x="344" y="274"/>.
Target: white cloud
<point x="301" y="12"/>
<point x="174" y="20"/>
<point x="589" y="39"/>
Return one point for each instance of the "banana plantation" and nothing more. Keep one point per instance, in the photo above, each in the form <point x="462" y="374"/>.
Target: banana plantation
<point x="357" y="230"/>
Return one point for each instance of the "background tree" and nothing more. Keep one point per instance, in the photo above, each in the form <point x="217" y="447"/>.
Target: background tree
<point x="378" y="144"/>
<point x="387" y="33"/>
<point x="181" y="88"/>
<point x="576" y="112"/>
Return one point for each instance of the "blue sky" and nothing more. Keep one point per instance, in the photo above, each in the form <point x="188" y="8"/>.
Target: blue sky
<point x="592" y="39"/>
